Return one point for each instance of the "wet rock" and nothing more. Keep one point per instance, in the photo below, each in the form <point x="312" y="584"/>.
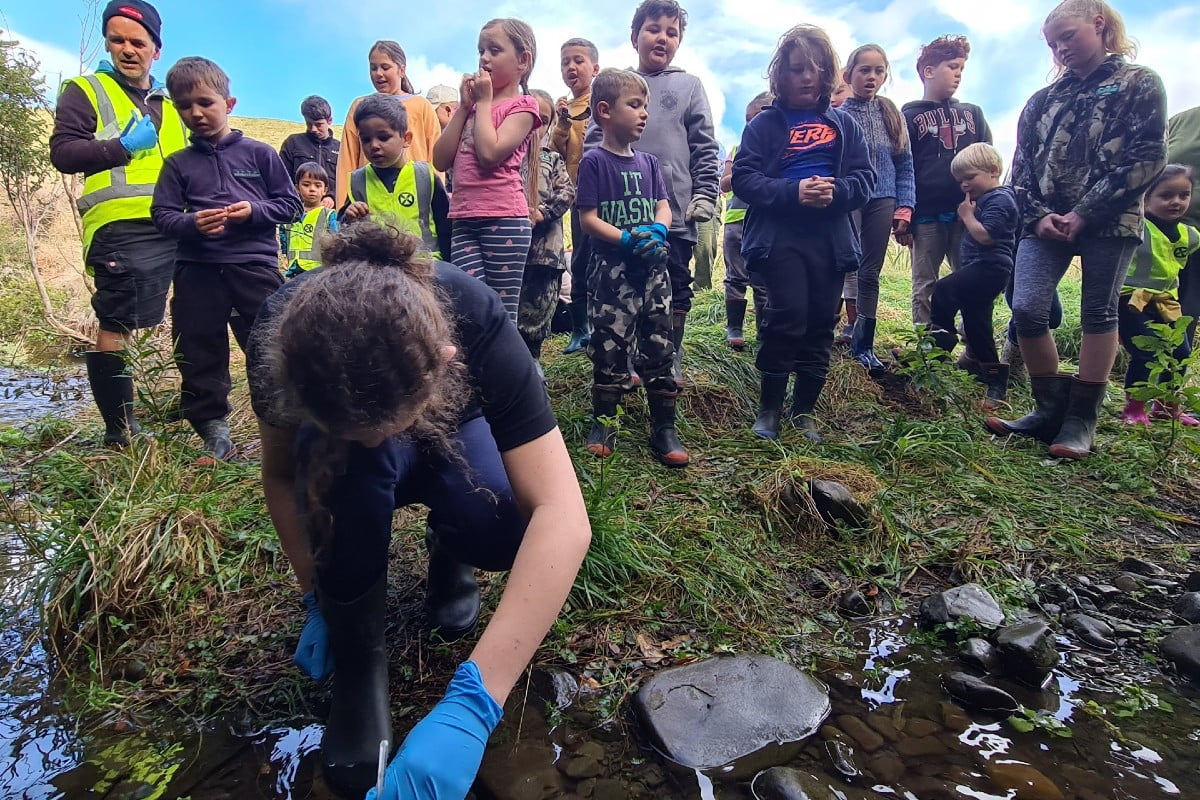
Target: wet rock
<point x="1027" y="782"/>
<point x="918" y="726"/>
<point x="1027" y="651"/>
<point x="842" y="759"/>
<point x="736" y="714"/>
<point x="978" y="653"/>
<point x="1188" y="606"/>
<point x="969" y="601"/>
<point x="591" y="750"/>
<point x="652" y="776"/>
<point x="555" y="686"/>
<point x="1192" y="584"/>
<point x="1091" y="631"/>
<point x="954" y="718"/>
<point x="884" y="727"/>
<point x="928" y="787"/>
<point x="131" y="669"/>
<point x="854" y="603"/>
<point x="920" y="747"/>
<point x="1106" y="592"/>
<point x="856" y="729"/>
<point x="835" y="503"/>
<point x="1140" y="567"/>
<point x="831" y="734"/>
<point x="522" y="772"/>
<point x="786" y="783"/>
<point x="886" y="767"/>
<point x="1054" y="609"/>
<point x="975" y="693"/>
<point x="816" y="584"/>
<point x="580" y="767"/>
<point x="1125" y="583"/>
<point x="1182" y="647"/>
<point x="610" y="789"/>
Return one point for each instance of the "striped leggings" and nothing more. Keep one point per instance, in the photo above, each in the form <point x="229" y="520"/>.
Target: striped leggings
<point x="494" y="250"/>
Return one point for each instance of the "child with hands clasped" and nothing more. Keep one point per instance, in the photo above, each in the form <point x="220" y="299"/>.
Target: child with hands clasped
<point x="623" y="206"/>
<point x="1151" y="290"/>
<point x="803" y="167"/>
<point x="391" y="189"/>
<point x="485" y="142"/>
<point x="222" y="198"/>
<point x="1089" y="145"/>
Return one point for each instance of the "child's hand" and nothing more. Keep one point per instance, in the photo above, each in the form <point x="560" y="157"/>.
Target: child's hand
<point x="563" y="110"/>
<point x="359" y="210"/>
<point x="904" y="239"/>
<point x="816" y="192"/>
<point x="466" y="90"/>
<point x="536" y="217"/>
<point x="238" y="212"/>
<point x="211" y="221"/>
<point x="966" y="208"/>
<point x="900" y="228"/>
<point x="1051" y="227"/>
<point x="481" y="87"/>
<point x="327" y="202"/>
<point x="1072" y="225"/>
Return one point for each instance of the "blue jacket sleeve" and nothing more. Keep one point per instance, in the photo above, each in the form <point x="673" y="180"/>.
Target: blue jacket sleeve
<point x="906" y="180"/>
<point x="751" y="165"/>
<point x="169" y="208"/>
<point x="852" y="189"/>
<point x="282" y="204"/>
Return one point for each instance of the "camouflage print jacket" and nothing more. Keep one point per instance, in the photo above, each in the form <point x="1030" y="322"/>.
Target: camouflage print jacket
<point x="556" y="194"/>
<point x="1092" y="146"/>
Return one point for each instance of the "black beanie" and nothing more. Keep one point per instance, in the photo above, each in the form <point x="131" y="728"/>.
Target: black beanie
<point x="142" y="13"/>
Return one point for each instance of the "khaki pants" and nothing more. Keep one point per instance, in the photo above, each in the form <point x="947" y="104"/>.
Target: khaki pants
<point x="933" y="243"/>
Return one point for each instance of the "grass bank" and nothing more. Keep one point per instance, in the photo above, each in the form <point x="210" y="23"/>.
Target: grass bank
<point x="163" y="582"/>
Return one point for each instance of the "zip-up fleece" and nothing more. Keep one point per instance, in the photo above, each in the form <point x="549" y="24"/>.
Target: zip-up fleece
<point x="1183" y="147"/>
<point x="215" y="175"/>
<point x="938" y="132"/>
<point x="1092" y="146"/>
<point x="775" y="201"/>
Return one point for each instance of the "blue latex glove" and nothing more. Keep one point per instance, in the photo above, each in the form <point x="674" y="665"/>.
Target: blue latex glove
<point x="652" y="237"/>
<point x="312" y="654"/>
<point x="657" y="254"/>
<point x="139" y="134"/>
<point x="441" y="755"/>
<point x="630" y="241"/>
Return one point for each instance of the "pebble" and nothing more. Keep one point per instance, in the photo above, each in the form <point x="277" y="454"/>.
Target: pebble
<point x="884" y="727"/>
<point x="922" y="727"/>
<point x="1125" y="583"/>
<point x="1141" y="567"/>
<point x="954" y="718"/>
<point x="856" y="729"/>
<point x="580" y="768"/>
<point x="854" y="603"/>
<point x="978" y="653"/>
<point x="919" y="747"/>
<point x="1027" y="651"/>
<point x="1188" y="606"/>
<point x="1192" y="584"/>
<point x="1027" y="782"/>
<point x="975" y="693"/>
<point x="842" y="758"/>
<point x="886" y="767"/>
<point x="1092" y="631"/>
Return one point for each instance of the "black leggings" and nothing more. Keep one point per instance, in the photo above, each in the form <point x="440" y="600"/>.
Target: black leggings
<point x="802" y="298"/>
<point x="973" y="290"/>
<point x="1131" y="323"/>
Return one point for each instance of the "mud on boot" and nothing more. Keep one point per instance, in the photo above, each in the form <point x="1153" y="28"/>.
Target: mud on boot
<point x="1078" y="432"/>
<point x="664" y="439"/>
<point x="218" y="446"/>
<point x="995" y="378"/>
<point x="770" y="408"/>
<point x="359" y="712"/>
<point x="735" y="320"/>
<point x="1050" y="394"/>
<point x="112" y="389"/>
<point x="602" y="439"/>
<point x="451" y="591"/>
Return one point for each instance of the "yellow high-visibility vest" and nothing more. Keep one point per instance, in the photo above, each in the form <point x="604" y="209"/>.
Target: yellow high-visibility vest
<point x="122" y="193"/>
<point x="1158" y="261"/>
<point x="304" y="238"/>
<point x="409" y="206"/>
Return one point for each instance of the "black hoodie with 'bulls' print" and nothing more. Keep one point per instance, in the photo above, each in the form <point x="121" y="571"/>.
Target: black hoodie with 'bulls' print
<point x="938" y="132"/>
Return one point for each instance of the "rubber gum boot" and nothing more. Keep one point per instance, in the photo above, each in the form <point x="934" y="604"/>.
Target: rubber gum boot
<point x="1050" y="394"/>
<point x="862" y="347"/>
<point x="1173" y="411"/>
<point x="112" y="389"/>
<point x="1134" y="412"/>
<point x="359" y="713"/>
<point x="678" y="323"/>
<point x="218" y="445"/>
<point x="1078" y="432"/>
<point x="847" y="331"/>
<point x="581" y="329"/>
<point x="664" y="439"/>
<point x="770" y="407"/>
<point x="995" y="378"/>
<point x="735" y="320"/>
<point x="451" y="591"/>
<point x="946" y="340"/>
<point x="602" y="439"/>
<point x="804" y="399"/>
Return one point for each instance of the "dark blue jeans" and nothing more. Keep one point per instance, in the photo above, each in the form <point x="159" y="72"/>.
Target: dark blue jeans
<point x="471" y="506"/>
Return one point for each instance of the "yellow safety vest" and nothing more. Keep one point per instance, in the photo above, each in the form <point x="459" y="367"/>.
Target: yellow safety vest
<point x="408" y="206"/>
<point x="735" y="209"/>
<point x="1158" y="261"/>
<point x="304" y="238"/>
<point x="123" y="193"/>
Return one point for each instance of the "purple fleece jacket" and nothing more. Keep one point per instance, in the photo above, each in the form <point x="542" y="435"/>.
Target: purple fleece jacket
<point x="215" y="175"/>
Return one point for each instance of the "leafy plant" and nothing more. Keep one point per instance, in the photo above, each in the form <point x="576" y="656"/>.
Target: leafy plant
<point x="932" y="373"/>
<point x="1135" y="699"/>
<point x="1029" y="719"/>
<point x="1167" y="383"/>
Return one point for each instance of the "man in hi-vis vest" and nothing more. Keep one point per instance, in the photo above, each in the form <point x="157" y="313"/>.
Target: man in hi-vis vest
<point x="116" y="126"/>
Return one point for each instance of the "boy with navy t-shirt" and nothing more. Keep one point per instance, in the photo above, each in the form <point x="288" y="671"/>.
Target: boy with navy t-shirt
<point x="624" y="208"/>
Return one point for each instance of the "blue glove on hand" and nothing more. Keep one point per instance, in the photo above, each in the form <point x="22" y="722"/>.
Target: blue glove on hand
<point x="631" y="241"/>
<point x="652" y="237"/>
<point x="139" y="134"/>
<point x="312" y="654"/>
<point x="441" y="755"/>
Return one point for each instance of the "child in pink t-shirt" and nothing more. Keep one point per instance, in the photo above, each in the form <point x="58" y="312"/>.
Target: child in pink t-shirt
<point x="485" y="143"/>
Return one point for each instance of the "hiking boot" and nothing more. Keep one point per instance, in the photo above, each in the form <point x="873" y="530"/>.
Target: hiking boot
<point x="359" y="713"/>
<point x="995" y="378"/>
<point x="1172" y="411"/>
<point x="112" y="389"/>
<point x="1011" y="355"/>
<point x="770" y="408"/>
<point x="602" y="439"/>
<point x="664" y="439"/>
<point x="862" y="347"/>
<point x="735" y="319"/>
<point x="1050" y="393"/>
<point x="1078" y="432"/>
<point x="847" y="332"/>
<point x="581" y="328"/>
<point x="451" y="591"/>
<point x="217" y="444"/>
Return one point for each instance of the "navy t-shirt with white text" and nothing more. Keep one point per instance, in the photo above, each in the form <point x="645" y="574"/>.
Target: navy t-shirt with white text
<point x="812" y="145"/>
<point x="624" y="190"/>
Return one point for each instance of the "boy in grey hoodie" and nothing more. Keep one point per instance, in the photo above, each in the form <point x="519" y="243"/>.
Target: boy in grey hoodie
<point x="680" y="135"/>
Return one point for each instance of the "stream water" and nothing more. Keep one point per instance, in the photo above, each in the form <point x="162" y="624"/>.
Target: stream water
<point x="916" y="745"/>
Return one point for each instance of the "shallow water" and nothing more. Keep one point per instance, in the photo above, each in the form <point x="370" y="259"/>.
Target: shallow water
<point x="26" y="395"/>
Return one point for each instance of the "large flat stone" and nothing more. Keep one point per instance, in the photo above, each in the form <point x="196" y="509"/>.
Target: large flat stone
<point x="732" y="717"/>
<point x="969" y="601"/>
<point x="1182" y="646"/>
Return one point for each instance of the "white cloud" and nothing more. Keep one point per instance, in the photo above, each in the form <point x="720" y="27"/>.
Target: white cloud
<point x="56" y="63"/>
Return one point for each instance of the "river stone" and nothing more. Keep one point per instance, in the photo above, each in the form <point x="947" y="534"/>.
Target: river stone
<point x="1140" y="567"/>
<point x="732" y="715"/>
<point x="524" y="771"/>
<point x="555" y="686"/>
<point x="886" y="767"/>
<point x="1027" y="651"/>
<point x="835" y="503"/>
<point x="841" y="756"/>
<point x="1188" y="606"/>
<point x="1126" y="583"/>
<point x="854" y="603"/>
<point x="1192" y="584"/>
<point x="787" y="783"/>
<point x="1182" y="646"/>
<point x="1092" y="631"/>
<point x="921" y="747"/>
<point x="969" y="601"/>
<point x="975" y="693"/>
<point x="978" y="653"/>
<point x="864" y="736"/>
<point x="1027" y="782"/>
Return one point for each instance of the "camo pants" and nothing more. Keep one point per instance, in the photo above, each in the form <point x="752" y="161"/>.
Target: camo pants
<point x="539" y="298"/>
<point x="630" y="315"/>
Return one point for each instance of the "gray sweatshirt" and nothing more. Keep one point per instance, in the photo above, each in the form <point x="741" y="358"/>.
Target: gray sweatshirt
<point x="679" y="133"/>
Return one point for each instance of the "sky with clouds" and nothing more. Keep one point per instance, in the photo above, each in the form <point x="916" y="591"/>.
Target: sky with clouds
<point x="278" y="51"/>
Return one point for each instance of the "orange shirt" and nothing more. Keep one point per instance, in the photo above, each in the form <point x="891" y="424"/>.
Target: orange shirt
<point x="422" y="122"/>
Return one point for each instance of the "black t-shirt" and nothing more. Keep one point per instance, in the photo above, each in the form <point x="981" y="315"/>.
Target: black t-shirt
<point x="506" y="388"/>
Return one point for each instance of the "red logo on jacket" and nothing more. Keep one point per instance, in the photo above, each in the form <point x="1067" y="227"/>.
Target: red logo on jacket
<point x="947" y="124"/>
